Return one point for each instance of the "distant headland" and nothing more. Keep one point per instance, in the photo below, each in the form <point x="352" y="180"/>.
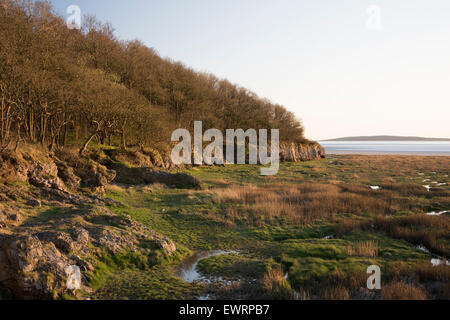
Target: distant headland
<point x="387" y="138"/>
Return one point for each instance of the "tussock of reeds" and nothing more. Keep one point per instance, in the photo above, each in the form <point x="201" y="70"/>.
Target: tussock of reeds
<point x="401" y="291"/>
<point x="275" y="286"/>
<point x="363" y="249"/>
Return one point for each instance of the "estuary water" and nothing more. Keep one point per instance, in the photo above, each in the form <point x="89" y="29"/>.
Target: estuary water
<point x="425" y="148"/>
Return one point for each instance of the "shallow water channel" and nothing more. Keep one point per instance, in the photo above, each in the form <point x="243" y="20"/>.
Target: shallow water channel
<point x="187" y="270"/>
<point x="435" y="259"/>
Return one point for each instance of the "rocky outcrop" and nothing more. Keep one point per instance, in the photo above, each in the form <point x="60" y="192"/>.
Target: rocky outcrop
<point x="155" y="157"/>
<point x="35" y="253"/>
<point x="80" y="172"/>
<point x="10" y="217"/>
<point x="33" y="167"/>
<point x="32" y="266"/>
<point x="31" y="269"/>
<point x="294" y="152"/>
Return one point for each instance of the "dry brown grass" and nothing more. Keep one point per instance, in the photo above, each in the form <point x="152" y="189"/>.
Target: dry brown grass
<point x="419" y="230"/>
<point x="305" y="203"/>
<point x="337" y="293"/>
<point x="433" y="232"/>
<point x="114" y="188"/>
<point x="396" y="164"/>
<point x="363" y="249"/>
<point x="349" y="225"/>
<point x="432" y="280"/>
<point x="353" y="281"/>
<point x="447" y="291"/>
<point x="426" y="272"/>
<point x="273" y="279"/>
<point x="340" y="286"/>
<point x="401" y="291"/>
<point x="275" y="286"/>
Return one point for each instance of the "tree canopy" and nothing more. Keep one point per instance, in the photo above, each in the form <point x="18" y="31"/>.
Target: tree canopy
<point x="60" y="86"/>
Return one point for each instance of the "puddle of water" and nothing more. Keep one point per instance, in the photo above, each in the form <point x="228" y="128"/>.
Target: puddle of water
<point x="423" y="249"/>
<point x="437" y="213"/>
<point x="375" y="187"/>
<point x="437" y="262"/>
<point x="295" y="294"/>
<point x="187" y="270"/>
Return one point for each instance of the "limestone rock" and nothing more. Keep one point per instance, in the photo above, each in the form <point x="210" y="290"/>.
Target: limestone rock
<point x="67" y="174"/>
<point x="30" y="268"/>
<point x="61" y="240"/>
<point x="167" y="245"/>
<point x="116" y="241"/>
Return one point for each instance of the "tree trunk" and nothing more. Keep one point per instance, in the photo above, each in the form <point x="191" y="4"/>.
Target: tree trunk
<point x="86" y="143"/>
<point x="123" y="143"/>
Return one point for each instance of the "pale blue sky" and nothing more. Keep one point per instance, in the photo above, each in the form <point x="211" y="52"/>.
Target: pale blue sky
<point x="316" y="57"/>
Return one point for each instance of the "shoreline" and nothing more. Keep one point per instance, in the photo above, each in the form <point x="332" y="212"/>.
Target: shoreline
<point x="368" y="153"/>
<point x="404" y="148"/>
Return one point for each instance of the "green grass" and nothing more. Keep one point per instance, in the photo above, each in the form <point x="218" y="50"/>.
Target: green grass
<point x="193" y="220"/>
<point x="130" y="276"/>
<point x="235" y="266"/>
<point x="313" y="259"/>
<point x="182" y="215"/>
<point x="159" y="283"/>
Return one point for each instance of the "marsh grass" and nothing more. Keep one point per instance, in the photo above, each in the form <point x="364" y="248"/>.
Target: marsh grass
<point x="275" y="286"/>
<point x="286" y="217"/>
<point x="363" y="249"/>
<point x="402" y="291"/>
<point x="234" y="267"/>
<point x="306" y="203"/>
<point x="433" y="232"/>
<point x="337" y="293"/>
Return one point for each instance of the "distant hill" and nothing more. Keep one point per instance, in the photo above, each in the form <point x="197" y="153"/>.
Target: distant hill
<point x="387" y="138"/>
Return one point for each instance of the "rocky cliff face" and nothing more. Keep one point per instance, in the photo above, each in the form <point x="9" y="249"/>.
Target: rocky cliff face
<point x="289" y="152"/>
<point x="294" y="152"/>
<point x="37" y="246"/>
